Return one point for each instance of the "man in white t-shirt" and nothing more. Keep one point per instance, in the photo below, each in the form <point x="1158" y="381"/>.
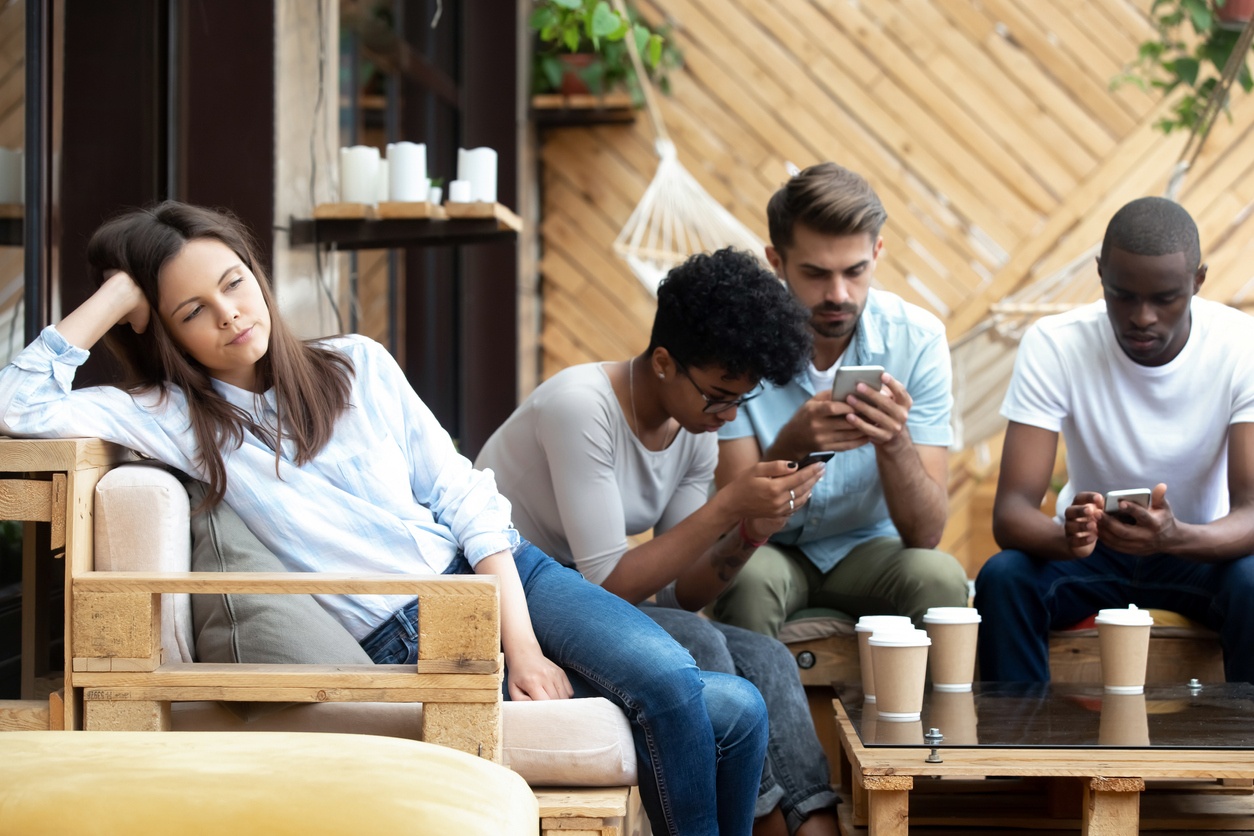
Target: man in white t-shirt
<point x="1152" y="388"/>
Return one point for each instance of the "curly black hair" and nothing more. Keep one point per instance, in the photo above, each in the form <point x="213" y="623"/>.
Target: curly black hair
<point x="727" y="310"/>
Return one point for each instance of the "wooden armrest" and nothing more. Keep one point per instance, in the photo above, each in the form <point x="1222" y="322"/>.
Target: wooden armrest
<point x="117" y="659"/>
<point x="117" y="614"/>
<point x="342" y="583"/>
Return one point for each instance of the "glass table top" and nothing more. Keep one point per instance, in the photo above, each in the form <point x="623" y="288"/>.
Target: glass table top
<point x="1030" y="715"/>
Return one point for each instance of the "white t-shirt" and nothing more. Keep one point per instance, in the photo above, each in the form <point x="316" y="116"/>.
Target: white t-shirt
<point x="579" y="480"/>
<point x="1131" y="426"/>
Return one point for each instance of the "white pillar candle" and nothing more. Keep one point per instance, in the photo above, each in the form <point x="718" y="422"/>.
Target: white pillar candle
<point x="382" y="182"/>
<point x="459" y="191"/>
<point x="407" y="171"/>
<point x="10" y="175"/>
<point x="478" y="165"/>
<point x="359" y="172"/>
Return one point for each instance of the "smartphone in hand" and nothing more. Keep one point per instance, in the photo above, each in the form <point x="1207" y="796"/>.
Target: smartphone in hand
<point x="812" y="458"/>
<point x="848" y="378"/>
<point x="1137" y="496"/>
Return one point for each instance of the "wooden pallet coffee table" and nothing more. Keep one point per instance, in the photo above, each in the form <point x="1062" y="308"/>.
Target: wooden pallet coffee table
<point x="1081" y="760"/>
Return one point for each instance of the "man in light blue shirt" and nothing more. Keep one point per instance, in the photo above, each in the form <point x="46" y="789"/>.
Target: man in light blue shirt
<point x="865" y="542"/>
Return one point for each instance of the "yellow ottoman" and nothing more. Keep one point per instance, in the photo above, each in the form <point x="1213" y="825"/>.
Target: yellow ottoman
<point x="142" y="783"/>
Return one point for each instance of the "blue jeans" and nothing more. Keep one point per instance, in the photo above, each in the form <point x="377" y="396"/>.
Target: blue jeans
<point x="700" y="737"/>
<point x="1021" y="599"/>
<point x="796" y="777"/>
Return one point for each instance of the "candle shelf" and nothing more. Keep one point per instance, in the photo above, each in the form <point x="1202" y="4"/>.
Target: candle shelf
<point x="398" y="225"/>
<point x="555" y="110"/>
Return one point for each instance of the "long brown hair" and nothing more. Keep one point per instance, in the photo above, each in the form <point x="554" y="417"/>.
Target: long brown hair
<point x="311" y="383"/>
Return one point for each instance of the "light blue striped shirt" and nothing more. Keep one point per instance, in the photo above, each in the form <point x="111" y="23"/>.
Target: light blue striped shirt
<point x="847" y="507"/>
<point x="388" y="493"/>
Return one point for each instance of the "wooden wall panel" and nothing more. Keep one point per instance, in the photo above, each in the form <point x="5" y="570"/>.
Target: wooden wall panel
<point x="988" y="127"/>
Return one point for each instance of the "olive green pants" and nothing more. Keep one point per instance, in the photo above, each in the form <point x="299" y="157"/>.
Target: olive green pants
<point x="879" y="577"/>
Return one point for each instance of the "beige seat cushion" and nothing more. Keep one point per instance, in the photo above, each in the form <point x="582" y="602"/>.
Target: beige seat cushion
<point x="150" y="783"/>
<point x="812" y="624"/>
<point x="564" y="743"/>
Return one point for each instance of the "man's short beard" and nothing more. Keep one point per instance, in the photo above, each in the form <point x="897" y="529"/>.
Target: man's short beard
<point x="834" y="330"/>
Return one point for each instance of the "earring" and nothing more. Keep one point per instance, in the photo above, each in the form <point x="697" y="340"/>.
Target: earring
<point x="661" y="376"/>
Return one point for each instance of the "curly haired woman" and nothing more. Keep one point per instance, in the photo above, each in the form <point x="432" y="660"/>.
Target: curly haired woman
<point x="603" y="451"/>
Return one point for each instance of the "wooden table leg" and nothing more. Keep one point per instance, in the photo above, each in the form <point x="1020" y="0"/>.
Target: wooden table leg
<point x="844" y="769"/>
<point x="888" y="804"/>
<point x="1112" y="806"/>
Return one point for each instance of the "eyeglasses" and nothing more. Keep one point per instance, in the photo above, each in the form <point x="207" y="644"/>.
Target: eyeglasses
<point x="714" y="406"/>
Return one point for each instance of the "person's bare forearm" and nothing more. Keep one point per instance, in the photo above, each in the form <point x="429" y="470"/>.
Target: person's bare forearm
<point x="707" y="577"/>
<point x="1227" y="538"/>
<point x="918" y="506"/>
<point x="517" y="633"/>
<point x="1017" y="524"/>
<point x="645" y="569"/>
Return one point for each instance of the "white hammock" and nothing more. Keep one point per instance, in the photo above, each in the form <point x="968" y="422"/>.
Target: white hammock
<point x="676" y="217"/>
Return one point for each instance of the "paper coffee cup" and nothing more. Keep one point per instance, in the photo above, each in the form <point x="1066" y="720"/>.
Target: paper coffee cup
<point x="899" y="658"/>
<point x="866" y="625"/>
<point x="1123" y="637"/>
<point x="953" y="713"/>
<point x="1124" y="721"/>
<point x="909" y="733"/>
<point x="954" y="632"/>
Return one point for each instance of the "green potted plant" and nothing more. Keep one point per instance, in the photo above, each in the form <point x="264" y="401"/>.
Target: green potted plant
<point x="583" y="48"/>
<point x="1191" y="64"/>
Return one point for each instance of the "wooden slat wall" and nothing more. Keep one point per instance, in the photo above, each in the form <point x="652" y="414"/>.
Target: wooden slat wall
<point x="988" y="128"/>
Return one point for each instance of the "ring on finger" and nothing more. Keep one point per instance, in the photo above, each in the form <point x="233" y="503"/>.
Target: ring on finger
<point x="792" y="505"/>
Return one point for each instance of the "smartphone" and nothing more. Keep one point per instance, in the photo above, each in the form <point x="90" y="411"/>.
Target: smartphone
<point x="812" y="458"/>
<point x="848" y="378"/>
<point x="1138" y="496"/>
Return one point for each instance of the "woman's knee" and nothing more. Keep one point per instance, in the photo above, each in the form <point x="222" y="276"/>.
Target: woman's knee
<point x="737" y="710"/>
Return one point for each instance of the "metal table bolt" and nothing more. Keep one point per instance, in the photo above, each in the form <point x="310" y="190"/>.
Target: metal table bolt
<point x="934" y="738"/>
<point x="1195" y="686"/>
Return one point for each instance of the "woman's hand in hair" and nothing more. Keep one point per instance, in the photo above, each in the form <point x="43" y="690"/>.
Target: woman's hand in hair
<point x="118" y="300"/>
<point x="130" y="299"/>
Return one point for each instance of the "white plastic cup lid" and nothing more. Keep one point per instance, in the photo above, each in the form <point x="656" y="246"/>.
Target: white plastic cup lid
<point x="872" y="623"/>
<point x="901" y="638"/>
<point x="1130" y="617"/>
<point x="951" y="615"/>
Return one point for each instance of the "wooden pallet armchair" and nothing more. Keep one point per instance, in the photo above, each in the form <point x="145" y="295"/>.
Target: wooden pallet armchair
<point x="131" y="663"/>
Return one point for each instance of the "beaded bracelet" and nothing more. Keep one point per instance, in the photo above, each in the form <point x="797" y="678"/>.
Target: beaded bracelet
<point x="749" y="541"/>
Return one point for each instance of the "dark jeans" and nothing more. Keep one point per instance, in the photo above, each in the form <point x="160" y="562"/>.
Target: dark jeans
<point x="1021" y="599"/>
<point x="796" y="777"/>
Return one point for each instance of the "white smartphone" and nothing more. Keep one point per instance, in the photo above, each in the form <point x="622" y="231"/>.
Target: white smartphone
<point x="848" y="378"/>
<point x="1137" y="496"/>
